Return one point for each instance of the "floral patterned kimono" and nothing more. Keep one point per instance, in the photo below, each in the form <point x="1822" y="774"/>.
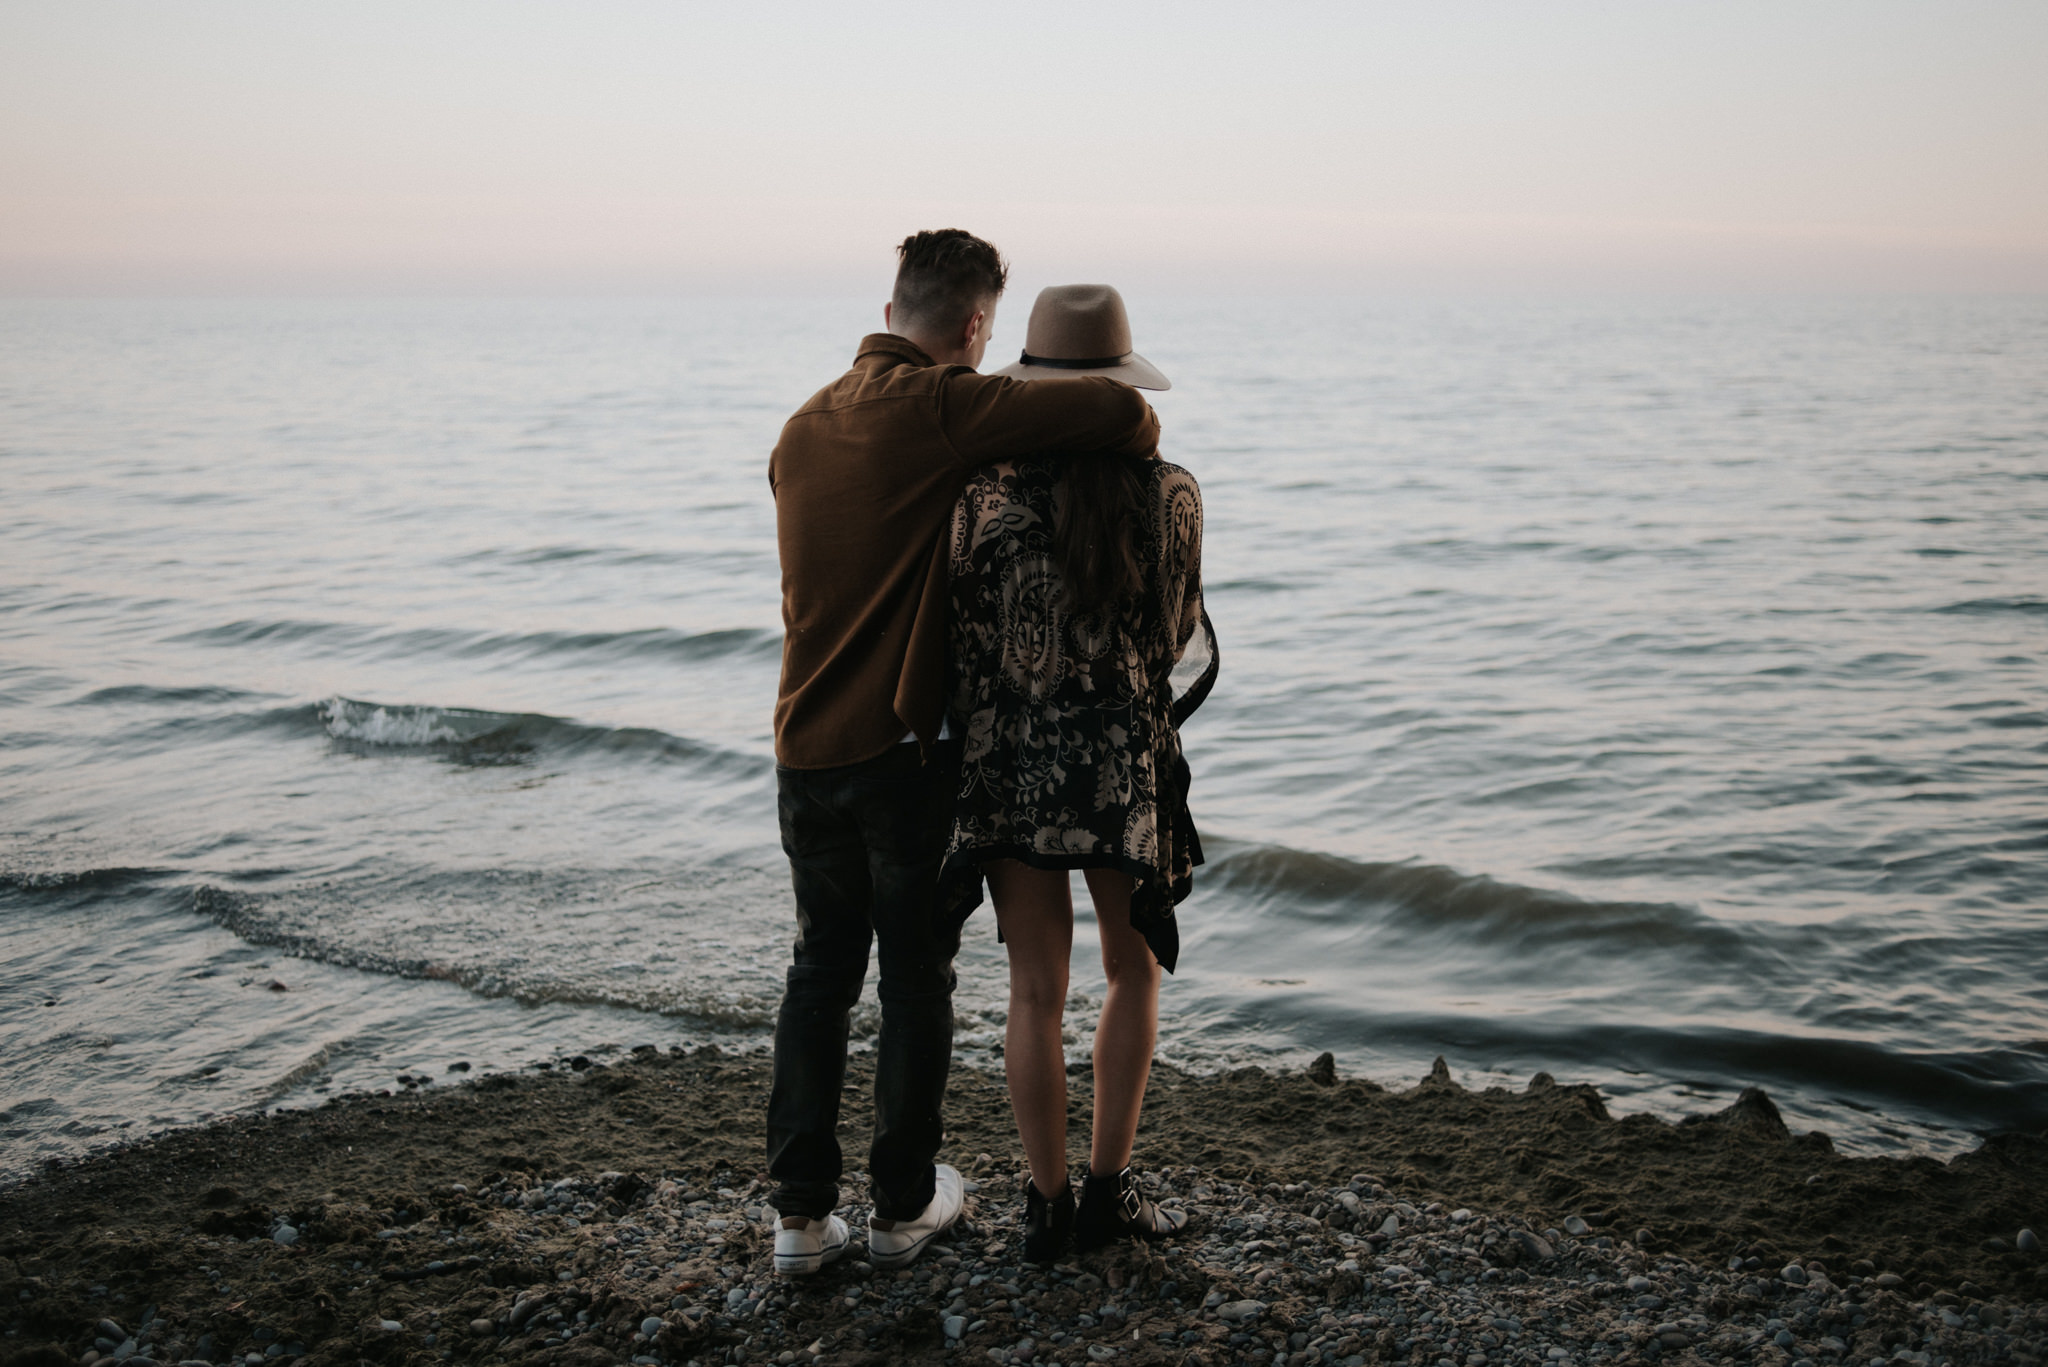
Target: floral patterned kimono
<point x="1071" y="744"/>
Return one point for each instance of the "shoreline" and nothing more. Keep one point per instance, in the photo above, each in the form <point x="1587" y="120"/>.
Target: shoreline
<point x="409" y="1228"/>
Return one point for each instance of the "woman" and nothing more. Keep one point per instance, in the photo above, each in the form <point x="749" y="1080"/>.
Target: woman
<point x="1076" y="587"/>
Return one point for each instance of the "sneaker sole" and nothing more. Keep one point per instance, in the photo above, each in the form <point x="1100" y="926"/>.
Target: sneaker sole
<point x="903" y="1257"/>
<point x="807" y="1264"/>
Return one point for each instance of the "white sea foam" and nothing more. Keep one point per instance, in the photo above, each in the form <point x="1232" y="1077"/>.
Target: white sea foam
<point x="375" y="724"/>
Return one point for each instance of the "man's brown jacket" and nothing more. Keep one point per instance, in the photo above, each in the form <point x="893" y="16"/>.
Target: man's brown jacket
<point x="865" y="478"/>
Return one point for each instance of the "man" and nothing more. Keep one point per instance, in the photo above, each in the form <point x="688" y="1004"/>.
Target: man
<point x="865" y="478"/>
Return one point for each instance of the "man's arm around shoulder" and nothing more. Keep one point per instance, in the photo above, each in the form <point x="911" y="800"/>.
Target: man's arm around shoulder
<point x="992" y="417"/>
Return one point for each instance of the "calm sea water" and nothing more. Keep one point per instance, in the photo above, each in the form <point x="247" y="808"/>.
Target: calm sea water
<point x="1650" y="693"/>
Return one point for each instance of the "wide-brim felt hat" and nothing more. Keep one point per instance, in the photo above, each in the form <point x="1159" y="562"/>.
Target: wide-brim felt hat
<point x="1082" y="330"/>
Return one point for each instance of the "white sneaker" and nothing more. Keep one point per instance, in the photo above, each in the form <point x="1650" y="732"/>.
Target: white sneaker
<point x="802" y="1246"/>
<point x="896" y="1243"/>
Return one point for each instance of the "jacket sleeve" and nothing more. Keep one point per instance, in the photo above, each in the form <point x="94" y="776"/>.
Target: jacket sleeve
<point x="992" y="417"/>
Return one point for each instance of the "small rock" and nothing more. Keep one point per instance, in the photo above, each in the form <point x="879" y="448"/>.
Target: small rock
<point x="651" y="1325"/>
<point x="1576" y="1227"/>
<point x="1642" y="1238"/>
<point x="1783" y="1338"/>
<point x="1533" y="1245"/>
<point x="1640" y="1284"/>
<point x="482" y="1326"/>
<point x="390" y="1326"/>
<point x="2027" y="1242"/>
<point x="285" y="1234"/>
<point x="111" y="1329"/>
<point x="1391" y="1226"/>
<point x="1793" y="1273"/>
<point x="459" y="1066"/>
<point x="1459" y="1217"/>
<point x="1323" y="1072"/>
<point x="955" y="1326"/>
<point x="1889" y="1281"/>
<point x="1237" y="1312"/>
<point x="1102" y="1352"/>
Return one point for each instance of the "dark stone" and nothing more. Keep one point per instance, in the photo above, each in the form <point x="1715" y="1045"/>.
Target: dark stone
<point x="1753" y="1115"/>
<point x="1323" y="1072"/>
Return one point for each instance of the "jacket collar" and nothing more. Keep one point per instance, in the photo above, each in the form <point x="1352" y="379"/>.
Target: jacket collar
<point x="889" y="344"/>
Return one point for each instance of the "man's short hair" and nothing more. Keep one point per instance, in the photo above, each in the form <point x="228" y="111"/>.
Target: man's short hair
<point x="944" y="276"/>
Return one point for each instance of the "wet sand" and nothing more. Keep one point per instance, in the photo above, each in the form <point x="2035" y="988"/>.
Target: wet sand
<point x="1334" y="1221"/>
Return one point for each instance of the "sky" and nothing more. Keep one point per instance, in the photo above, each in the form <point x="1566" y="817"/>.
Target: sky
<point x="629" y="146"/>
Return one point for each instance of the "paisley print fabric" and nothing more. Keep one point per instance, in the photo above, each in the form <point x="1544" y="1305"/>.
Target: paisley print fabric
<point x="1070" y="730"/>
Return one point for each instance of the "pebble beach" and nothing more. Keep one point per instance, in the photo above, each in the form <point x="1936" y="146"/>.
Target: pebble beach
<point x="525" y="1218"/>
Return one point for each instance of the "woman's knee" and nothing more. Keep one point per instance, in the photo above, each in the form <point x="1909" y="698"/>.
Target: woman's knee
<point x="1132" y="969"/>
<point x="1038" y="994"/>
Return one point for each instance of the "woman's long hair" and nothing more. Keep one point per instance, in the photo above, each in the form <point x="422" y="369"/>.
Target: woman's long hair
<point x="1095" y="535"/>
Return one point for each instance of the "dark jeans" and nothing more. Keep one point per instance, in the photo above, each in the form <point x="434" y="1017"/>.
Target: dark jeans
<point x="864" y="844"/>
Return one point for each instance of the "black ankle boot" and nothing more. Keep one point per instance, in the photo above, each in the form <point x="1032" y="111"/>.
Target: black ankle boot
<point x="1113" y="1208"/>
<point x="1048" y="1223"/>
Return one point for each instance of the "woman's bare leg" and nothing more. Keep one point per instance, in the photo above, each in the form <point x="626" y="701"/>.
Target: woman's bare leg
<point x="1129" y="1028"/>
<point x="1036" y="912"/>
